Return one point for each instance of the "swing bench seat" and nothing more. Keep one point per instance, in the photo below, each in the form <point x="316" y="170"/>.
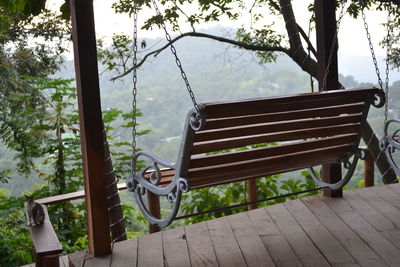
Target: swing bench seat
<point x="226" y="142"/>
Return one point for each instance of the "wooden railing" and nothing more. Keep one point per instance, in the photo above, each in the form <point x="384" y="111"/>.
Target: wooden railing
<point x="47" y="246"/>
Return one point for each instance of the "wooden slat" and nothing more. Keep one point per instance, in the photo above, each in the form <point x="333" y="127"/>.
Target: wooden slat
<point x="364" y="255"/>
<point x="304" y="248"/>
<point x="285" y="103"/>
<point x="284" y="116"/>
<point x="332" y="250"/>
<point x="217" y="145"/>
<point x="200" y="246"/>
<point x="125" y="253"/>
<point x="275" y="127"/>
<point x="372" y="216"/>
<point x="274" y="241"/>
<point x="249" y="242"/>
<point x="372" y="197"/>
<point x="150" y="250"/>
<point x="388" y="194"/>
<point x="268" y="166"/>
<point x="225" y="246"/>
<point x="270" y="151"/>
<point x="44" y="238"/>
<point x="175" y="247"/>
<point x="385" y="249"/>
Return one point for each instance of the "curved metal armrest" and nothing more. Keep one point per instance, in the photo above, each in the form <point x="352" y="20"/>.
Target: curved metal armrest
<point x="351" y="168"/>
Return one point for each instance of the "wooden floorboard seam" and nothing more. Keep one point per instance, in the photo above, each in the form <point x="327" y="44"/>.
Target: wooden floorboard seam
<point x="350" y="240"/>
<point x="379" y="243"/>
<point x="329" y="247"/>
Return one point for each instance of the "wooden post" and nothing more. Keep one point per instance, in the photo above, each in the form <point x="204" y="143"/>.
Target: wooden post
<point x="369" y="169"/>
<point x="327" y="63"/>
<point x="91" y="126"/>
<point x="154" y="208"/>
<point x="251" y="188"/>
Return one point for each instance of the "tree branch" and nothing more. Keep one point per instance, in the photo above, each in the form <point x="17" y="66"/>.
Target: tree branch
<point x="305" y="37"/>
<point x="209" y="36"/>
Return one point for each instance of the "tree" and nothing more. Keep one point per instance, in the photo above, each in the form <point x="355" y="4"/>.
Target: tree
<point x="263" y="39"/>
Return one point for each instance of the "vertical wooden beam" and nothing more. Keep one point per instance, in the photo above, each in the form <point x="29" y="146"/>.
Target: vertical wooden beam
<point x="91" y="126"/>
<point x="251" y="188"/>
<point x="154" y="207"/>
<point x="327" y="63"/>
<point x="369" y="169"/>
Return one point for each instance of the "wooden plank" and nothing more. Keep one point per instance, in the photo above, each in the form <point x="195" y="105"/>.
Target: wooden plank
<point x="307" y="252"/>
<point x="277" y="126"/>
<point x="175" y="247"/>
<point x="249" y="242"/>
<point x="230" y="157"/>
<point x="77" y="259"/>
<point x="211" y="146"/>
<point x="64" y="262"/>
<point x="225" y="246"/>
<point x="285" y="103"/>
<point x="361" y="252"/>
<point x="44" y="237"/>
<point x="262" y="167"/>
<point x="200" y="246"/>
<point x="373" y="198"/>
<point x="384" y="248"/>
<point x="385" y="209"/>
<point x="333" y="251"/>
<point x="274" y="241"/>
<point x="388" y="194"/>
<point x="395" y="187"/>
<point x="283" y="116"/>
<point x="373" y="216"/>
<point x="91" y="126"/>
<point x="150" y="250"/>
<point x="125" y="253"/>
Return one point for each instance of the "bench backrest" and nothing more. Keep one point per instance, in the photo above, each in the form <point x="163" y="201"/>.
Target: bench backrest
<point x="311" y="129"/>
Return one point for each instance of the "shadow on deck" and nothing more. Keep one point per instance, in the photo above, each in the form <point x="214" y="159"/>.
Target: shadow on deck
<point x="362" y="229"/>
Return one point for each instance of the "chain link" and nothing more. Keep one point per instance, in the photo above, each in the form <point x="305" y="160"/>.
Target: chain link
<point x="333" y="47"/>
<point x="134" y="90"/>
<point x="388" y="51"/>
<point x="383" y="86"/>
<point x="177" y="60"/>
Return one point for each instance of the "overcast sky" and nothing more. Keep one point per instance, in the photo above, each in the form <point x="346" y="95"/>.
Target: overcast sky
<point x="352" y="37"/>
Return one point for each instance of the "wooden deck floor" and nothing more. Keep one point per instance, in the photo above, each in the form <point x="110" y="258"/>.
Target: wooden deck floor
<point x="362" y="229"/>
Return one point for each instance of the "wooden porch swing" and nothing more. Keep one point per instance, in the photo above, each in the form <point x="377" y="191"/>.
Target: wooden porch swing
<point x="316" y="128"/>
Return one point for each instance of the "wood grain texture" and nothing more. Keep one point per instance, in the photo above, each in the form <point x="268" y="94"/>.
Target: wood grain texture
<point x="249" y="242"/>
<point x="200" y="246"/>
<point x="383" y="247"/>
<point x="224" y="242"/>
<point x="175" y="247"/>
<point x="44" y="237"/>
<point x="283" y="116"/>
<point x="274" y="241"/>
<point x="305" y="249"/>
<point x="359" y="249"/>
<point x="216" y="145"/>
<point x="313" y="231"/>
<point x="285" y="103"/>
<point x="150" y="250"/>
<point x="333" y="251"/>
<point x="125" y="253"/>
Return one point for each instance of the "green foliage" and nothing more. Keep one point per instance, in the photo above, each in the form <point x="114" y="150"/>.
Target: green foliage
<point x="16" y="246"/>
<point x="217" y="197"/>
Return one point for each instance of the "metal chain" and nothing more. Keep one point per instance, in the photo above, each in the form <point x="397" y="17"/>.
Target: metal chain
<point x="388" y="51"/>
<point x="134" y="90"/>
<point x="383" y="86"/>
<point x="177" y="60"/>
<point x="335" y="41"/>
